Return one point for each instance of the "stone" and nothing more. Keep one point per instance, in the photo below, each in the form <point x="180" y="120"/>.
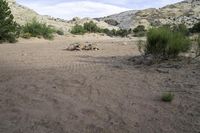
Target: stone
<point x="73" y="47"/>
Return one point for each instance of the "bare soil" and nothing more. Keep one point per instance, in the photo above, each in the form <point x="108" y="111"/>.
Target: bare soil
<point x="46" y="89"/>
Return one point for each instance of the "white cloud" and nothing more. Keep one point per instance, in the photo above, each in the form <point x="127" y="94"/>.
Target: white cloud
<point x="68" y="10"/>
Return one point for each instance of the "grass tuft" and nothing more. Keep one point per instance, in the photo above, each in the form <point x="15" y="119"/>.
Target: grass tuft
<point x="167" y="97"/>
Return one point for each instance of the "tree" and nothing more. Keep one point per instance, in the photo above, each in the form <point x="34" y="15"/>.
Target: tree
<point x="8" y="27"/>
<point x="91" y="27"/>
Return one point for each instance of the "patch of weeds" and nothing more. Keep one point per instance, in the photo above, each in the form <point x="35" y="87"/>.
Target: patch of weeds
<point x="167" y="97"/>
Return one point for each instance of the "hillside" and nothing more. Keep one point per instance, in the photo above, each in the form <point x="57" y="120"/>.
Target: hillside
<point x="23" y="15"/>
<point x="187" y="12"/>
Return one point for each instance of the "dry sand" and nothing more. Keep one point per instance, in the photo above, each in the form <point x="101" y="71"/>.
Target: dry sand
<point x="45" y="89"/>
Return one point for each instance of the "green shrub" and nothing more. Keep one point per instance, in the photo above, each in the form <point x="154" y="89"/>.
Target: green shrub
<point x="181" y="28"/>
<point x="60" y="32"/>
<point x="26" y="35"/>
<point x="37" y="29"/>
<point x="167" y="97"/>
<point x="9" y="29"/>
<point x="78" y="30"/>
<point x="139" y="31"/>
<point x="139" y="28"/>
<point x="91" y="27"/>
<point x="122" y="33"/>
<point x="195" y="28"/>
<point x="164" y="43"/>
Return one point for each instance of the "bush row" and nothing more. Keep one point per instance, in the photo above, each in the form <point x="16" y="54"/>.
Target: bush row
<point x="91" y="27"/>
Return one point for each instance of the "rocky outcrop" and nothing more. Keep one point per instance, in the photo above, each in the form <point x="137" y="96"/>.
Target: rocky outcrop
<point x="186" y="12"/>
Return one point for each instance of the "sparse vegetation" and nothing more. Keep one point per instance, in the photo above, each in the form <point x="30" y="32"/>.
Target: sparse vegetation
<point x="164" y="43"/>
<point x="139" y="31"/>
<point x="122" y="33"/>
<point x="195" y="28"/>
<point x="26" y="35"/>
<point x="181" y="28"/>
<point x="9" y="29"/>
<point x="78" y="30"/>
<point x="167" y="97"/>
<point x="37" y="29"/>
<point x="91" y="27"/>
<point x="60" y="32"/>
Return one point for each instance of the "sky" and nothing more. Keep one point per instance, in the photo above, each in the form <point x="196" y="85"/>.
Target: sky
<point x="68" y="9"/>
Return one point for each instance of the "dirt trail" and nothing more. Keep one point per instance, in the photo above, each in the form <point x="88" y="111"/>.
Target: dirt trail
<point x="45" y="89"/>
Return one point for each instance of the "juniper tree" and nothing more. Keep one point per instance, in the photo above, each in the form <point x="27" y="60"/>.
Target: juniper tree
<point x="8" y="27"/>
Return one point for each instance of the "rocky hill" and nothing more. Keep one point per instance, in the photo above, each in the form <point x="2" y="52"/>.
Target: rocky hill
<point x="186" y="12"/>
<point x="23" y="15"/>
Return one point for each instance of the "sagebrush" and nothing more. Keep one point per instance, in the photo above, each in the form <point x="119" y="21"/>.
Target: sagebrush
<point x="37" y="29"/>
<point x="164" y="43"/>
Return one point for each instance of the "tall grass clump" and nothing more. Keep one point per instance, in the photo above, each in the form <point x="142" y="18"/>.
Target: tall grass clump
<point x="164" y="43"/>
<point x="37" y="29"/>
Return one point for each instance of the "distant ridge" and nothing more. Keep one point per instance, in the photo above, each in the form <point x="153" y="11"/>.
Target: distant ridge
<point x="186" y="12"/>
<point x="23" y="15"/>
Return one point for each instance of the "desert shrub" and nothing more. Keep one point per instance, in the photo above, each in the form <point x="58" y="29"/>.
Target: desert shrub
<point x="167" y="97"/>
<point x="112" y="22"/>
<point x="37" y="29"/>
<point x="108" y="32"/>
<point x="195" y="28"/>
<point x="139" y="31"/>
<point x="122" y="32"/>
<point x="9" y="29"/>
<point x="26" y="35"/>
<point x="60" y="32"/>
<point x="164" y="43"/>
<point x="78" y="30"/>
<point x="139" y="28"/>
<point x="181" y="28"/>
<point x="91" y="27"/>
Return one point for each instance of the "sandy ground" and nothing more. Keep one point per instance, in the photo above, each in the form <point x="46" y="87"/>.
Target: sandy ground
<point x="45" y="89"/>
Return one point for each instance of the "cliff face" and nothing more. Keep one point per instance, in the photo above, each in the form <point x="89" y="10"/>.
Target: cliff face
<point x="186" y="12"/>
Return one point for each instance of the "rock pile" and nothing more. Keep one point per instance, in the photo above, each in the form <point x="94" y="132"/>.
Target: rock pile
<point x="79" y="47"/>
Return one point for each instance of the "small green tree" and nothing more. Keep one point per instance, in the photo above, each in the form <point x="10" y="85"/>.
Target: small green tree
<point x="8" y="27"/>
<point x="90" y="27"/>
<point x="78" y="30"/>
